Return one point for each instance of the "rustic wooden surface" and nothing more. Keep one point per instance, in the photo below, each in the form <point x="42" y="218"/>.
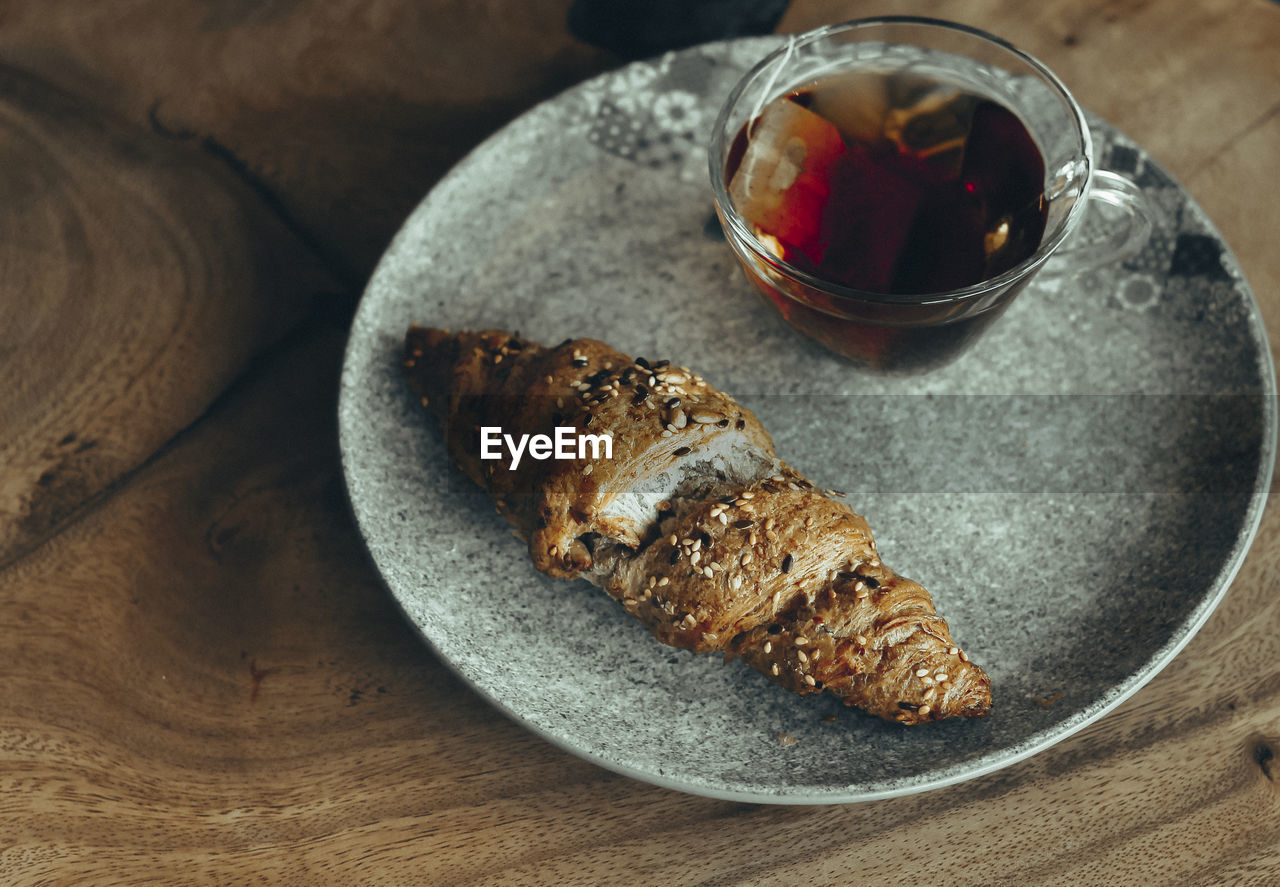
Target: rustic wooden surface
<point x="201" y="678"/>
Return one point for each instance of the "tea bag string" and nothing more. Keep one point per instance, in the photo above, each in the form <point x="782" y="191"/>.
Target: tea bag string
<point x="768" y="87"/>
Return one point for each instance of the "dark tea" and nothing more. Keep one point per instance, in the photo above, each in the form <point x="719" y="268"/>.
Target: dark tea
<point x="889" y="183"/>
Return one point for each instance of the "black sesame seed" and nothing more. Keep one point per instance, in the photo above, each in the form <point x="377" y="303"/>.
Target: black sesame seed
<point x="641" y="395"/>
<point x="673" y="402"/>
<point x="662" y="363"/>
<point x="597" y="377"/>
<point x="775" y="628"/>
<point x="640" y="361"/>
<point x="723" y="423"/>
<point x="743" y="524"/>
<point x="705" y="537"/>
<point x="786" y="563"/>
<point x="683" y="451"/>
<point x="742" y="423"/>
<point x="675" y="555"/>
<point x="909" y="706"/>
<point x="587" y="421"/>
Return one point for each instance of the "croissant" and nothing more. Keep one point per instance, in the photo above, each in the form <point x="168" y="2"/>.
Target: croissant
<point x="691" y="523"/>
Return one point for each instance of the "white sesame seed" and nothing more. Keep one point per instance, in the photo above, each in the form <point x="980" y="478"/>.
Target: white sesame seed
<point x="930" y="693"/>
<point x="860" y="639"/>
<point x="708" y="572"/>
<point x="588" y="469"/>
<point x="954" y="650"/>
<point x="964" y="657"/>
<point x="941" y="676"/>
<point x="924" y="710"/>
<point x="723" y="518"/>
<point x="921" y="672"/>
<point x="663" y="582"/>
<point x="737" y="582"/>
<point x="673" y="539"/>
<point x="808" y="679"/>
<point x="774" y="669"/>
<point x="768" y="646"/>
<point x="801" y="640"/>
<point x="804" y="660"/>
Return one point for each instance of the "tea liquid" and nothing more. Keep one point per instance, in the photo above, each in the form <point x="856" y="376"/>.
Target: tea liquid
<point x="890" y="183"/>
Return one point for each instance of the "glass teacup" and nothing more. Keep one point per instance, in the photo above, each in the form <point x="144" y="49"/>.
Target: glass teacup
<point x="855" y="158"/>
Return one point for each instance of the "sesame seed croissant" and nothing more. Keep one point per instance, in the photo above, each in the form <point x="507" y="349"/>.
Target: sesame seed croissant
<point x="691" y="522"/>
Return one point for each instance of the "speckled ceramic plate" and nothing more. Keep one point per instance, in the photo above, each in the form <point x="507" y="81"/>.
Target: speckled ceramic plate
<point x="1077" y="492"/>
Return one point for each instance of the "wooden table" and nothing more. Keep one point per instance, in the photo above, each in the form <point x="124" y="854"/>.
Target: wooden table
<point x="202" y="679"/>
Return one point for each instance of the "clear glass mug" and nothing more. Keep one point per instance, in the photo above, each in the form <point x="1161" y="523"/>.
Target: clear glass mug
<point x="906" y="334"/>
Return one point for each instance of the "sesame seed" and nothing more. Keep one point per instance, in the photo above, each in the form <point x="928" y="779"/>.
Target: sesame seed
<point x="675" y="556"/>
<point x="804" y="660"/>
<point x="861" y="640"/>
<point x="768" y="646"/>
<point x="768" y="523"/>
<point x="742" y="524"/>
<point x="588" y="469"/>
<point x="663" y="582"/>
<point x="924" y="710"/>
<point x="715" y="565"/>
<point x="683" y="451"/>
<point x="425" y="402"/>
<point x="723" y="518"/>
<point x="752" y="538"/>
<point x="673" y="539"/>
<point x="964" y="657"/>
<point x="707" y="571"/>
<point x="808" y="679"/>
<point x="774" y="669"/>
<point x="695" y="557"/>
<point x="801" y="640"/>
<point x="817" y="654"/>
<point x="678" y="418"/>
<point x="954" y="650"/>
<point x="787" y="562"/>
<point x="704" y="417"/>
<point x="922" y="672"/>
<point x="666" y="433"/>
<point x="930" y="693"/>
<point x="941" y="676"/>
<point x="747" y="558"/>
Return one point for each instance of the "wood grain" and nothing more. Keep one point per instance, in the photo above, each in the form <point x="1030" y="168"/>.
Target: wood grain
<point x="344" y="111"/>
<point x="140" y="278"/>
<point x="202" y="680"/>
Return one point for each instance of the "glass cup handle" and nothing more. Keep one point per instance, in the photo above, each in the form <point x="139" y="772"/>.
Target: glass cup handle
<point x="1116" y="225"/>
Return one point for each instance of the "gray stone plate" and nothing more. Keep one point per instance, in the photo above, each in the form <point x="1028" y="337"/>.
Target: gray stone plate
<point x="1077" y="492"/>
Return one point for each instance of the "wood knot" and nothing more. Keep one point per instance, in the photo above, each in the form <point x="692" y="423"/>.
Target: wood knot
<point x="1263" y="755"/>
